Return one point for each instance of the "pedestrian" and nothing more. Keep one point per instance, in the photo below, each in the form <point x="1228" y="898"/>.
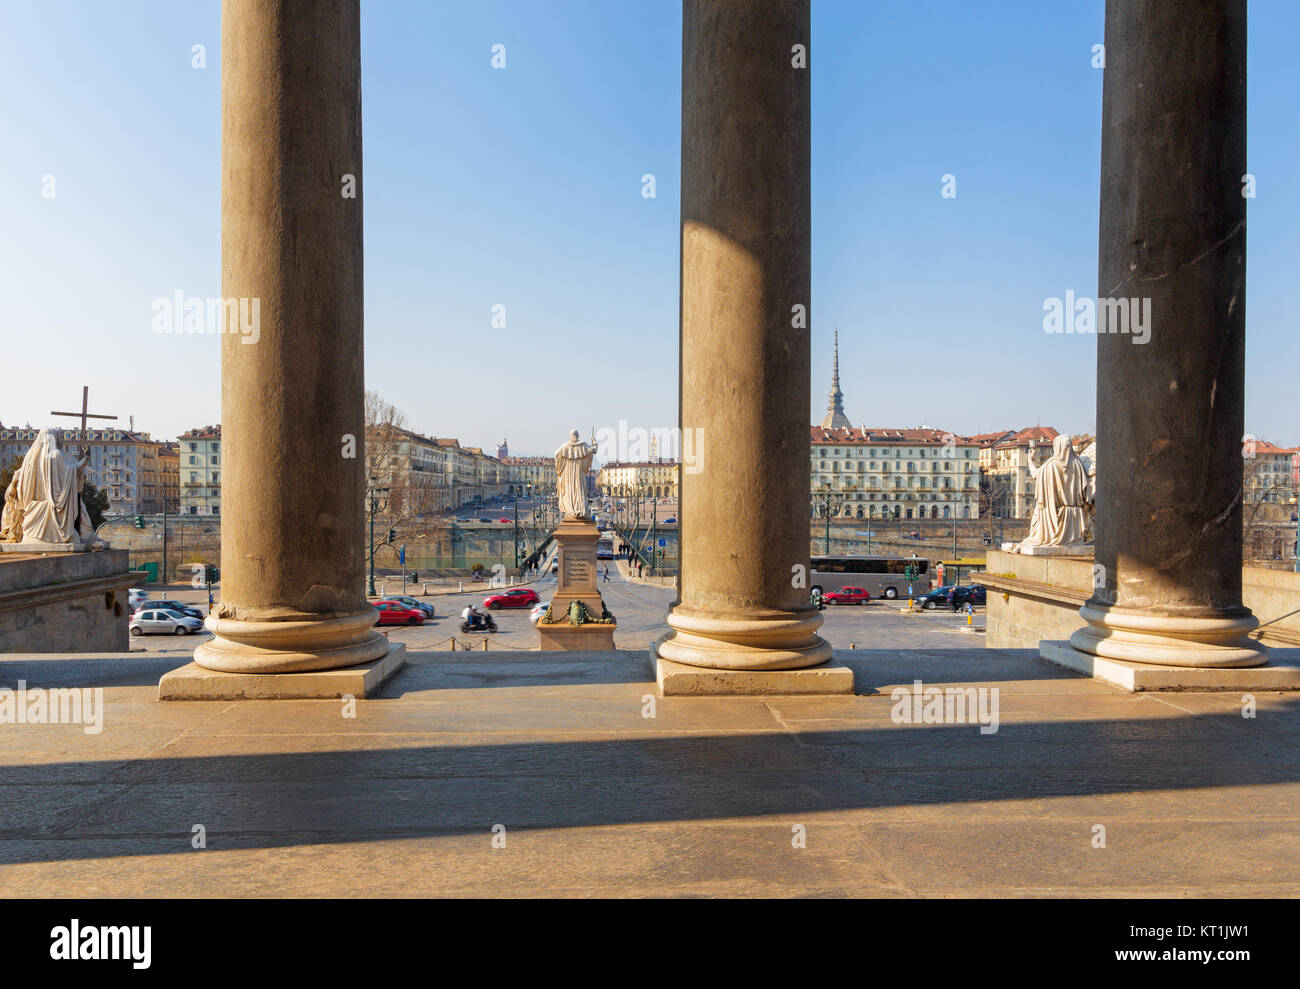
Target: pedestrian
<point x="952" y="598"/>
<point x="606" y="574"/>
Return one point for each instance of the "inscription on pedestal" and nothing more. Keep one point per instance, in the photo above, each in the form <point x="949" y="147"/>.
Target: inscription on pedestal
<point x="578" y="572"/>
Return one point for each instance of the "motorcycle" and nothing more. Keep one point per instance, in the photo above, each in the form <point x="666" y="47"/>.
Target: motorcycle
<point x="480" y="623"/>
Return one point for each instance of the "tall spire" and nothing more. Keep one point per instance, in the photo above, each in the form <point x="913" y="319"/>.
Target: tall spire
<point x="835" y="417"/>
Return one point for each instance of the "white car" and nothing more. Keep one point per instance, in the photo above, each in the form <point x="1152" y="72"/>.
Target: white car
<point x="539" y="609"/>
<point x="136" y="597"/>
<point x="148" y="621"/>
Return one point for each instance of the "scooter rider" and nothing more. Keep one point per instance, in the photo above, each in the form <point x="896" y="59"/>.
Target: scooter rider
<point x="473" y="617"/>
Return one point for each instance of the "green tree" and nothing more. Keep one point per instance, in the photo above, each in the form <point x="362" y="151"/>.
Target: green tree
<point x="7" y="473"/>
<point x="96" y="503"/>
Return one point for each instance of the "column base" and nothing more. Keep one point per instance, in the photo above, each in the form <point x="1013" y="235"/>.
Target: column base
<point x="1144" y="676"/>
<point x="784" y="641"/>
<point x="194" y="683"/>
<point x="1164" y="640"/>
<point x="678" y="680"/>
<point x="329" y="642"/>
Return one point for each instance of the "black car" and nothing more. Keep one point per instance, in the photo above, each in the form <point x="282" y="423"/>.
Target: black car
<point x="938" y="598"/>
<point x="184" y="609"/>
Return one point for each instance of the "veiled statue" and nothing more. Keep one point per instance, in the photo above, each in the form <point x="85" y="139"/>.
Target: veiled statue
<point x="43" y="507"/>
<point x="572" y="462"/>
<point x="1063" y="497"/>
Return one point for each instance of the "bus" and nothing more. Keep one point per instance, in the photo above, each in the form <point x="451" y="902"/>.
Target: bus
<point x="605" y="546"/>
<point x="882" y="576"/>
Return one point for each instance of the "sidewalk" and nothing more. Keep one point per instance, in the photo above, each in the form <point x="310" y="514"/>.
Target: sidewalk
<point x="627" y="574"/>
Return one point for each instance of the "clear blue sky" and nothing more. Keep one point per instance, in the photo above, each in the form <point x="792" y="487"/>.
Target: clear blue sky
<point x="522" y="187"/>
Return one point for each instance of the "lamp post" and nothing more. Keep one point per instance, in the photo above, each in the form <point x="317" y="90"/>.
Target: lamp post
<point x="376" y="494"/>
<point x="829" y="499"/>
<point x="530" y="491"/>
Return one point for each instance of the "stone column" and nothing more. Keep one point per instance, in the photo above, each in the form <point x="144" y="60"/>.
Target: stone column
<point x="745" y="358"/>
<point x="292" y="391"/>
<point x="1170" y="410"/>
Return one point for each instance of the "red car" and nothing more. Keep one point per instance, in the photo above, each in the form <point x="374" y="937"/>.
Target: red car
<point x="396" y="613"/>
<point x="520" y="597"/>
<point x="847" y="595"/>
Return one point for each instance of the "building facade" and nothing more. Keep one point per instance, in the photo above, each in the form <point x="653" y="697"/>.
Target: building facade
<point x="893" y="474"/>
<point x="1266" y="476"/>
<point x="654" y="479"/>
<point x="129" y="467"/>
<point x="200" y="471"/>
<point x="539" y="472"/>
<point x="1004" y="461"/>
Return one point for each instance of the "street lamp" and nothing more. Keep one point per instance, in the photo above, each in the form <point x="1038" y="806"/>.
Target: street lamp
<point x="829" y="499"/>
<point x="530" y="492"/>
<point x="378" y="497"/>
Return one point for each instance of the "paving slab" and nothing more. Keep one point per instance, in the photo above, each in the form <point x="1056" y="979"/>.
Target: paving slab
<point x="605" y="789"/>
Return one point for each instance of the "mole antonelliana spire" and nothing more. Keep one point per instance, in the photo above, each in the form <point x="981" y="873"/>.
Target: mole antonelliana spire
<point x="835" y="417"/>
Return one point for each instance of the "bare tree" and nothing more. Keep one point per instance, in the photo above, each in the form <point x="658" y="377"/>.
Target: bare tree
<point x="385" y="436"/>
<point x="1257" y="499"/>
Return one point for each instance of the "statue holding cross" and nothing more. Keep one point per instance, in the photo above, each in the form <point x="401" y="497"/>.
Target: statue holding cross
<point x="43" y="510"/>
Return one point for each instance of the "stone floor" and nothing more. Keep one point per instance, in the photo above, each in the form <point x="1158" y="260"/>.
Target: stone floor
<point x="708" y="797"/>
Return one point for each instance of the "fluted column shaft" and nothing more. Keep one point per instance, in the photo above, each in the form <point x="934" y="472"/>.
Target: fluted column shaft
<point x="745" y="358"/>
<point x="292" y="397"/>
<point x="1170" y="410"/>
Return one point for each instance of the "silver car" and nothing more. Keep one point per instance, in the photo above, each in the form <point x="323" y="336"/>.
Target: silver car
<point x="148" y="621"/>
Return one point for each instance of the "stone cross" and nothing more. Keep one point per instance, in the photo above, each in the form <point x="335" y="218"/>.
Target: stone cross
<point x="83" y="414"/>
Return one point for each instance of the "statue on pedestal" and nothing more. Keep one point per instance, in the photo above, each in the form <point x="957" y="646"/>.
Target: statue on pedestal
<point x="43" y="507"/>
<point x="572" y="462"/>
<point x="1063" y="495"/>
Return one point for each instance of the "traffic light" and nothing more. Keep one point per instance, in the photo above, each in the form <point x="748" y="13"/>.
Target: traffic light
<point x="211" y="574"/>
<point x="139" y="521"/>
<point x="392" y="535"/>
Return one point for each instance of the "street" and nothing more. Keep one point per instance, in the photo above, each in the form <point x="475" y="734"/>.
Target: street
<point x="640" y="609"/>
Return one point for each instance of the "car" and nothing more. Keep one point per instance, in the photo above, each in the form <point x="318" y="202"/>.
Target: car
<point x="519" y="597"/>
<point x="395" y="613"/>
<point x="135" y="597"/>
<point x="847" y="595"/>
<point x="669" y="521"/>
<point x="503" y="520"/>
<point x="485" y="520"/>
<point x="411" y="602"/>
<point x="539" y="609"/>
<point x="463" y="521"/>
<point x="163" y="621"/>
<point x="938" y="598"/>
<point x="171" y="605"/>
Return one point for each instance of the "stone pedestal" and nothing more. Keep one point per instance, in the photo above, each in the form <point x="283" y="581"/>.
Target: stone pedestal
<point x="39" y="546"/>
<point x="65" y="602"/>
<point x="1069" y="549"/>
<point x="578" y="576"/>
<point x="194" y="683"/>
